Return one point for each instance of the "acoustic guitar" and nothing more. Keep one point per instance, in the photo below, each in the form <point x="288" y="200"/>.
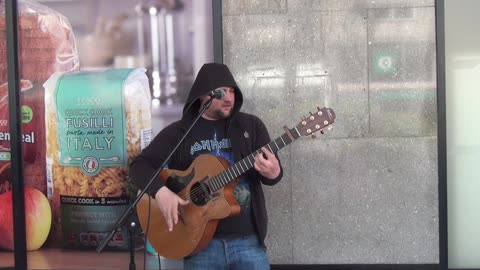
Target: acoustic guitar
<point x="208" y="184"/>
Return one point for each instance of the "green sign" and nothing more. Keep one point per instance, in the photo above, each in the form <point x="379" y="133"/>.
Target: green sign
<point x="27" y="114"/>
<point x="385" y="62"/>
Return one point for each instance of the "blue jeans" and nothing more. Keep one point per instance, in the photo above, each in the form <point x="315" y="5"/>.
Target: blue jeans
<point x="243" y="253"/>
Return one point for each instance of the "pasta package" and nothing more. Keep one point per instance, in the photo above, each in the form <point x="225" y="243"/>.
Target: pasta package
<point x="96" y="123"/>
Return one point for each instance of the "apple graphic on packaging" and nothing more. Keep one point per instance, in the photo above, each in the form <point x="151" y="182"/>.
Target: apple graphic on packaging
<point x="38" y="219"/>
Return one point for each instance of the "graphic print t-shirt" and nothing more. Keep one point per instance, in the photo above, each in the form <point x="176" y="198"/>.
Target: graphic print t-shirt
<point x="209" y="137"/>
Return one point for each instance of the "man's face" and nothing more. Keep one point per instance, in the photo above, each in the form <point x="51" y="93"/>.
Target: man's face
<point x="220" y="108"/>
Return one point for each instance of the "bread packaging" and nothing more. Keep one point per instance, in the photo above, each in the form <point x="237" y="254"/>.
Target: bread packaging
<point x="46" y="45"/>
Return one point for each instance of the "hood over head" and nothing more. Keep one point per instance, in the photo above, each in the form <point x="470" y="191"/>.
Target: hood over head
<point x="210" y="77"/>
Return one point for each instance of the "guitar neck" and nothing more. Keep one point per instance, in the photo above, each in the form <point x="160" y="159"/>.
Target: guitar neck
<point x="239" y="168"/>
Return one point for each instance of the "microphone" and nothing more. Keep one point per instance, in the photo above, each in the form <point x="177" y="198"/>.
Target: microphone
<point x="218" y="93"/>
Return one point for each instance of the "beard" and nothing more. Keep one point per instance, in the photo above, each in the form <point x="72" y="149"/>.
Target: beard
<point x="219" y="111"/>
<point x="220" y="114"/>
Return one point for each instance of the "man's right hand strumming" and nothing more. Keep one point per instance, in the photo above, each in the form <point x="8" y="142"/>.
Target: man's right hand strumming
<point x="168" y="203"/>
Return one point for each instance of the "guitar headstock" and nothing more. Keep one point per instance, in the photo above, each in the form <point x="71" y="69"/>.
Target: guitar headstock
<point x="322" y="118"/>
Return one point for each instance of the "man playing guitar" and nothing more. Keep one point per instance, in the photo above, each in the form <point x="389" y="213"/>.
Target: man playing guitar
<point x="225" y="132"/>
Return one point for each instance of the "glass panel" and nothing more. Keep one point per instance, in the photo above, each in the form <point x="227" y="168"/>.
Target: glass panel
<point x="6" y="257"/>
<point x="366" y="191"/>
<point x="462" y="44"/>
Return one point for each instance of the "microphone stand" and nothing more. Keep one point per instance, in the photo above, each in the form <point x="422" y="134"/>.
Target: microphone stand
<point x="130" y="209"/>
<point x="131" y="232"/>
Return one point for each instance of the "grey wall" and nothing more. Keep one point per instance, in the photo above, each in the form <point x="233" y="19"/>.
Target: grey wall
<point x="365" y="192"/>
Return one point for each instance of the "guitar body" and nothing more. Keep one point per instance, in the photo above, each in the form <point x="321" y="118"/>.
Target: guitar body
<point x="198" y="220"/>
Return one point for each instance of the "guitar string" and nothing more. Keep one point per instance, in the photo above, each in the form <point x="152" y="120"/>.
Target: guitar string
<point x="197" y="191"/>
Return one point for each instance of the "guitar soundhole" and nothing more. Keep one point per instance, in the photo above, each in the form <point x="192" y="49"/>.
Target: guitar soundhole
<point x="200" y="194"/>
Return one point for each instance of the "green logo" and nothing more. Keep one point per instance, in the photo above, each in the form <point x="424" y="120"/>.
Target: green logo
<point x="385" y="62"/>
<point x="4" y="155"/>
<point x="27" y="114"/>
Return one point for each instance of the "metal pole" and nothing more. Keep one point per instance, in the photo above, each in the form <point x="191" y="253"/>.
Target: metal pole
<point x="171" y="74"/>
<point x="441" y="134"/>
<point x="217" y="31"/>
<point x="156" y="75"/>
<point x="20" y="246"/>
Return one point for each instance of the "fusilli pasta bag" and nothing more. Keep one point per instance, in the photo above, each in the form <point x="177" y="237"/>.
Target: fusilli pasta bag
<point x="96" y="123"/>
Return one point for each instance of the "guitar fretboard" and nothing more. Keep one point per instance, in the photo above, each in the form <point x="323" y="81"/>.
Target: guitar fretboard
<point x="239" y="168"/>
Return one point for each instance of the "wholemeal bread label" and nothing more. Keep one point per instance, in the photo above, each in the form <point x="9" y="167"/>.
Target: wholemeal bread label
<point x="96" y="123"/>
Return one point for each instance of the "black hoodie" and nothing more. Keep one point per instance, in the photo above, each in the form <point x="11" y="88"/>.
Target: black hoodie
<point x="247" y="132"/>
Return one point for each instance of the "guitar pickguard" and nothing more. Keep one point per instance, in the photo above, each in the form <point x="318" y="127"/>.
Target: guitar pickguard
<point x="178" y="183"/>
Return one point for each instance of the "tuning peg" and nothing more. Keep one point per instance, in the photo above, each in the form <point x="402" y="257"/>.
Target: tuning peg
<point x="330" y="127"/>
<point x="321" y="131"/>
<point x="314" y="135"/>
